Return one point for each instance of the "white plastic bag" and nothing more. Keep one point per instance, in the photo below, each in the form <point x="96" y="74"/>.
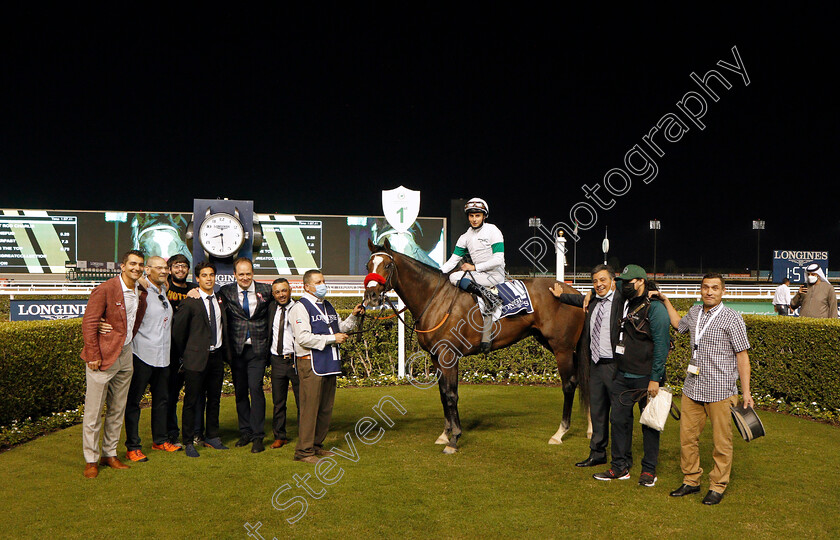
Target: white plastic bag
<point x="657" y="409"/>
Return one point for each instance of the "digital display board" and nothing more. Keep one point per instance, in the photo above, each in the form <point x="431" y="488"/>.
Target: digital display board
<point x="35" y="242"/>
<point x="42" y="241"/>
<point x="790" y="264"/>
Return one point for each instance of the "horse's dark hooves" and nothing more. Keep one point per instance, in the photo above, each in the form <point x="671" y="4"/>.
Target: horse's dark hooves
<point x="484" y="348"/>
<point x="449" y="450"/>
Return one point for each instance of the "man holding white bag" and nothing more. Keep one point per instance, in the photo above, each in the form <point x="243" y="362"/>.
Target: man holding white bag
<point x="719" y="357"/>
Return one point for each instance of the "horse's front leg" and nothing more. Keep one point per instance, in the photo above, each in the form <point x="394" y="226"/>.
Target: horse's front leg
<point x="450" y="377"/>
<point x="447" y="425"/>
<point x="565" y="365"/>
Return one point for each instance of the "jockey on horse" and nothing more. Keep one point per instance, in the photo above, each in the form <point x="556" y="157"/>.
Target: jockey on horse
<point x="485" y="244"/>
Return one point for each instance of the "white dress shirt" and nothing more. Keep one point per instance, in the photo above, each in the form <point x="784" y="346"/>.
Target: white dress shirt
<point x="218" y="309"/>
<point x="131" y="300"/>
<point x="288" y="334"/>
<point x="782" y="296"/>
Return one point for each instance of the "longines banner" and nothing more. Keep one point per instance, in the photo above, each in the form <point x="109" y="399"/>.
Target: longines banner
<point x="49" y="310"/>
<point x="789" y="263"/>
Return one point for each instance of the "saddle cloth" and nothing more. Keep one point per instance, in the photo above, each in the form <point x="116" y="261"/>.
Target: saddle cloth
<point x="515" y="299"/>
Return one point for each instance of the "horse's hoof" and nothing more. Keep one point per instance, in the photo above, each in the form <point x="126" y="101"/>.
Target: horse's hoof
<point x="554" y="440"/>
<point x="443" y="439"/>
<point x="449" y="450"/>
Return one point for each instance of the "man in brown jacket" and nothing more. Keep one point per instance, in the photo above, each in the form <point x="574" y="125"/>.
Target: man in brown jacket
<point x="818" y="298"/>
<point x="108" y="360"/>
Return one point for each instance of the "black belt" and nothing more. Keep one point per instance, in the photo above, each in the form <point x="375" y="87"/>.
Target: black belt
<point x="289" y="356"/>
<point x="604" y="361"/>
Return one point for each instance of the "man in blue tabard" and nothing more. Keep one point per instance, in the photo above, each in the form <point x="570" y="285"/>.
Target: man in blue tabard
<point x="318" y="331"/>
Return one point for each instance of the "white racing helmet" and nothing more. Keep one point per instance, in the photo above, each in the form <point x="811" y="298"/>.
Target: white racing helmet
<point x="477" y="205"/>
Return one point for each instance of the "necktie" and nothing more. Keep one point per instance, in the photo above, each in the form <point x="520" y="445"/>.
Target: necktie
<point x="282" y="330"/>
<point x="213" y="335"/>
<point x="247" y="312"/>
<point x="595" y="344"/>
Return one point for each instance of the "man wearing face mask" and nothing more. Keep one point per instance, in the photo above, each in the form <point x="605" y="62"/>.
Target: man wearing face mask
<point x="596" y="347"/>
<point x="640" y="354"/>
<point x="818" y="298"/>
<point x="317" y="331"/>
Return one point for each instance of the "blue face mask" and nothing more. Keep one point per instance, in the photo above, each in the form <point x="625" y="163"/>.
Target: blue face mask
<point x="321" y="290"/>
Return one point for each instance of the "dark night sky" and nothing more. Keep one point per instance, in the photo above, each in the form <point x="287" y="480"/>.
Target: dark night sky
<point x="318" y="112"/>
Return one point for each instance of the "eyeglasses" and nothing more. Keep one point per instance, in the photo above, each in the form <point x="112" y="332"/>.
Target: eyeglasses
<point x="181" y="266"/>
<point x="163" y="301"/>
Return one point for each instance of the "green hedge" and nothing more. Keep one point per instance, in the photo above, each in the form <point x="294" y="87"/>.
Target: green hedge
<point x="794" y="361"/>
<point x="40" y="369"/>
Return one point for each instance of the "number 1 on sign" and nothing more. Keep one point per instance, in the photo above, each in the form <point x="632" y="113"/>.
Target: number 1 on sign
<point x="401" y="212"/>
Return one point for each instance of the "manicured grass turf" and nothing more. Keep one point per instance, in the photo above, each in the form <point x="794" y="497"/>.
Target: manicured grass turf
<point x="505" y="481"/>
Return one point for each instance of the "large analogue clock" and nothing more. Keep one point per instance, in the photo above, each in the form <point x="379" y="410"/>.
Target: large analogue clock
<point x="221" y="235"/>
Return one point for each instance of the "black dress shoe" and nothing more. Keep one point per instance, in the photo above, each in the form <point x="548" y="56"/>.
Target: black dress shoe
<point x="257" y="447"/>
<point x="243" y="441"/>
<point x="712" y="497"/>
<point x="590" y="462"/>
<point x="685" y="489"/>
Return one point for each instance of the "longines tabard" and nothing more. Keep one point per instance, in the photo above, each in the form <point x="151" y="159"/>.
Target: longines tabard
<point x="221" y="235"/>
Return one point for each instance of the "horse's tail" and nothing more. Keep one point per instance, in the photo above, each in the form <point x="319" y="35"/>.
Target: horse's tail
<point x="582" y="372"/>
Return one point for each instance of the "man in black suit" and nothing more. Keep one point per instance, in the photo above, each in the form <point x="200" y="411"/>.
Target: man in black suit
<point x="201" y="341"/>
<point x="596" y="347"/>
<point x="247" y="302"/>
<point x="282" y="358"/>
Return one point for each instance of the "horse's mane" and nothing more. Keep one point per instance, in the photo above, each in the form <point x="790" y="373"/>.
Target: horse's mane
<point x="428" y="267"/>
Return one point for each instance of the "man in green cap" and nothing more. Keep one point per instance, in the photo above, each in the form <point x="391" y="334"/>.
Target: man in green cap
<point x="640" y="354"/>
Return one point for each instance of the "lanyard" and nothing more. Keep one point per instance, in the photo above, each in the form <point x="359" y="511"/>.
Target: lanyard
<point x="698" y="332"/>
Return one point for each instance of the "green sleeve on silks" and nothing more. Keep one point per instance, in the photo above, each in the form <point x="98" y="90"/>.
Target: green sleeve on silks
<point x="459" y="251"/>
<point x="498" y="247"/>
<point x="659" y="330"/>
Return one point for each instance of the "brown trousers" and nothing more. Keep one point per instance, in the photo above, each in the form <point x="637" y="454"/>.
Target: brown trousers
<point x="317" y="397"/>
<point x="692" y="422"/>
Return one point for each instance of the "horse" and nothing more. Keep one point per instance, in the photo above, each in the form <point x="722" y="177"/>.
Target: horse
<point x="448" y="324"/>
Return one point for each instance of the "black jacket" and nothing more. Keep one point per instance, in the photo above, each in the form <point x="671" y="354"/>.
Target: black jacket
<point x="239" y="324"/>
<point x="191" y="333"/>
<point x="616" y="312"/>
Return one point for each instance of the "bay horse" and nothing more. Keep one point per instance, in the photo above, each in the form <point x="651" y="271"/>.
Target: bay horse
<point x="448" y="324"/>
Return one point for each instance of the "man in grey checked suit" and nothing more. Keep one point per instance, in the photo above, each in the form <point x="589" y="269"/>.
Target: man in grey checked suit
<point x="247" y="303"/>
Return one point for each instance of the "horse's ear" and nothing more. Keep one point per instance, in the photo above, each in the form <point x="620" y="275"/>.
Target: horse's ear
<point x="371" y="246"/>
<point x="386" y="244"/>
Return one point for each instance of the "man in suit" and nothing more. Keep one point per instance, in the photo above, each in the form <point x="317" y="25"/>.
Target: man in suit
<point x="282" y="358"/>
<point x="201" y="341"/>
<point x="247" y="302"/>
<point x="596" y="347"/>
<point x="108" y="360"/>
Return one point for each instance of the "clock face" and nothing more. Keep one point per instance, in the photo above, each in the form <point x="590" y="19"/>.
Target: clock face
<point x="221" y="235"/>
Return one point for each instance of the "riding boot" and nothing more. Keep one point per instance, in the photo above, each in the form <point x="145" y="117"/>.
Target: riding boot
<point x="491" y="301"/>
<point x="486" y="339"/>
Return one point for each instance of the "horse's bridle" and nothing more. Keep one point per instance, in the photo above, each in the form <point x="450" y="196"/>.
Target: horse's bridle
<point x="390" y="266"/>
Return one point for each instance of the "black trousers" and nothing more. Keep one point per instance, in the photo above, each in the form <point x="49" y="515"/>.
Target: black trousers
<point x="282" y="373"/>
<point x="175" y="384"/>
<point x="248" y="373"/>
<point x="197" y="383"/>
<point x="601" y="377"/>
<point x="157" y="378"/>
<point x="621" y="419"/>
